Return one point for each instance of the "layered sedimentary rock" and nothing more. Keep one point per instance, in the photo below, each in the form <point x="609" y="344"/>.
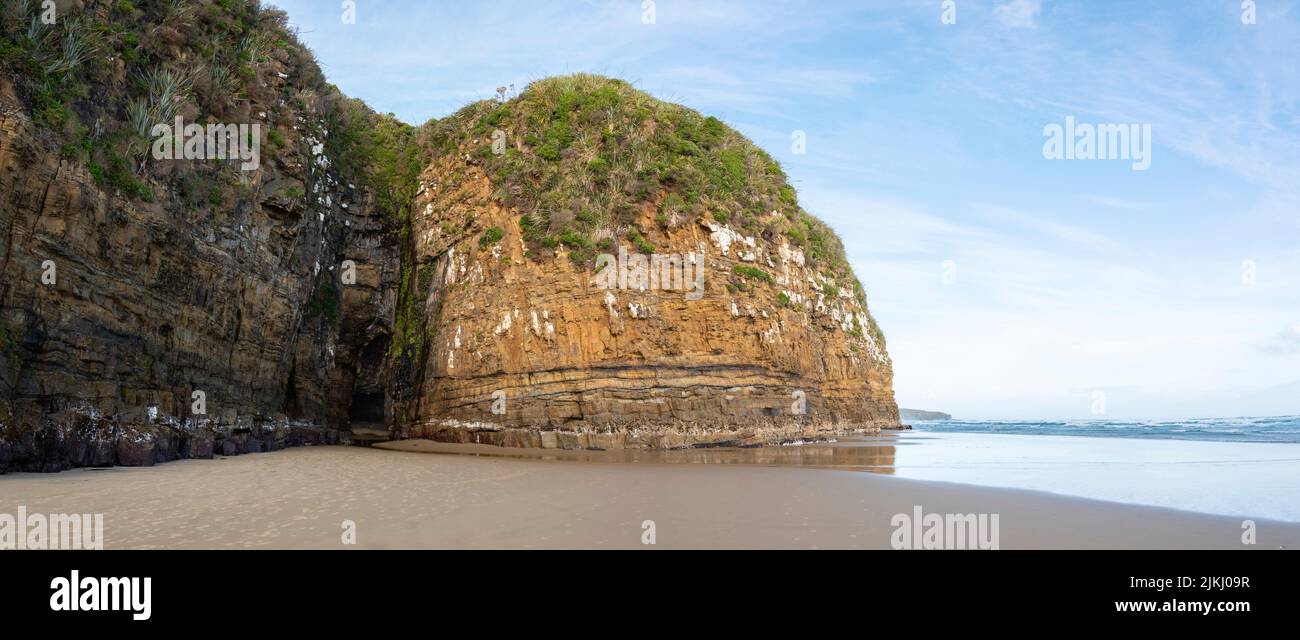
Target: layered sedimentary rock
<point x="547" y="354"/>
<point x="117" y="311"/>
<point x="154" y="309"/>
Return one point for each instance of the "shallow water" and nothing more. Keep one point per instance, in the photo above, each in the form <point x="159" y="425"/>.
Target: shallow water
<point x="1228" y="478"/>
<point x="1253" y="479"/>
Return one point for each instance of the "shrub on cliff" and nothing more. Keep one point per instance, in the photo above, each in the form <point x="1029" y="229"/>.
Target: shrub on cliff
<point x="383" y="152"/>
<point x="106" y="71"/>
<point x="585" y="154"/>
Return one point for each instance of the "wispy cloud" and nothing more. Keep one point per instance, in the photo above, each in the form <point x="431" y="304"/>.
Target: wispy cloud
<point x="924" y="150"/>
<point x="1019" y="14"/>
<point x="1285" y="343"/>
<point x="1120" y="203"/>
<point x="1043" y="224"/>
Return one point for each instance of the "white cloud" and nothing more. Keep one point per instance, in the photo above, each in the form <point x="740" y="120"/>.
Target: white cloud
<point x="1019" y="14"/>
<point x="1286" y="342"/>
<point x="1120" y="203"/>
<point x="1043" y="312"/>
<point x="1044" y="225"/>
<point x="1070" y="277"/>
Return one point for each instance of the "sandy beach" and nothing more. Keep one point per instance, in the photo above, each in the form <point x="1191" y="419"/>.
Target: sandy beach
<point x="300" y="498"/>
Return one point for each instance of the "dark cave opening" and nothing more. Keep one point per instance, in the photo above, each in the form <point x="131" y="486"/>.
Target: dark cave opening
<point x="292" y="407"/>
<point x="372" y="355"/>
<point x="367" y="408"/>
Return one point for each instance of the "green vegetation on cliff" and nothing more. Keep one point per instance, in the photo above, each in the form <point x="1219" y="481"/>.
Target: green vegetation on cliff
<point x="588" y="161"/>
<point x="382" y="151"/>
<point x="101" y="77"/>
<point x="104" y="72"/>
<point x="586" y="155"/>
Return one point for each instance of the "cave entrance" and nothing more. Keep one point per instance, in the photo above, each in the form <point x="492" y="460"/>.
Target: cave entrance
<point x="292" y="407"/>
<point x="366" y="416"/>
<point x="366" y="413"/>
<point x="367" y="409"/>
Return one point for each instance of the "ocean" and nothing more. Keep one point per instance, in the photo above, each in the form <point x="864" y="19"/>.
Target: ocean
<point x="1248" y="467"/>
<point x="1274" y="429"/>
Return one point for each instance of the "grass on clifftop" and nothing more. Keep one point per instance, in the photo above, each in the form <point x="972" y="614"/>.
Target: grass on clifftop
<point x="106" y="71"/>
<point x="99" y="78"/>
<point x="585" y="153"/>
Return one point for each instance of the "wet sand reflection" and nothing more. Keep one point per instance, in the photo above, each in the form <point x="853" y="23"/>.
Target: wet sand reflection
<point x="875" y="454"/>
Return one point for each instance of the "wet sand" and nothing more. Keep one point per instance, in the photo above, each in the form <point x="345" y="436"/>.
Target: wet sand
<point x="299" y="498"/>
<point x="1256" y="480"/>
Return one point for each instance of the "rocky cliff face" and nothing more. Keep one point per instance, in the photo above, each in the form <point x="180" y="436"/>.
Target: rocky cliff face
<point x="144" y="307"/>
<point x="540" y="354"/>
<point x="145" y="324"/>
<point x="154" y="310"/>
<point x="691" y="330"/>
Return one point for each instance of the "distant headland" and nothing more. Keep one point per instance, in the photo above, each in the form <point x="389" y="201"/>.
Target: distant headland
<point x="917" y="414"/>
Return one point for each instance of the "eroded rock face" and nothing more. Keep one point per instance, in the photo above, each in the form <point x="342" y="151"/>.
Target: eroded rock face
<point x="534" y="353"/>
<point x="245" y="302"/>
<point x="149" y="303"/>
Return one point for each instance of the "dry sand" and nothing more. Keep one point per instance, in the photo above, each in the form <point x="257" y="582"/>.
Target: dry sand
<point x="299" y="498"/>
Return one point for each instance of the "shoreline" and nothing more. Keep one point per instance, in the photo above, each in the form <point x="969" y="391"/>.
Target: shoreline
<point x="647" y="435"/>
<point x="1247" y="480"/>
<point x="299" y="499"/>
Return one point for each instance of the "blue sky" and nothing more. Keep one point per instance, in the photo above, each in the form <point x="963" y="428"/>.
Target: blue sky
<point x="925" y="152"/>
